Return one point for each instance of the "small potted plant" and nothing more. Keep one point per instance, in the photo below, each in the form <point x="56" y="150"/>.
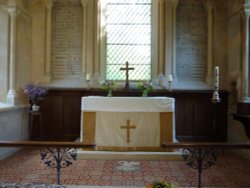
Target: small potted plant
<point x="145" y="87"/>
<point x="35" y="94"/>
<point x="160" y="184"/>
<point x="108" y="86"/>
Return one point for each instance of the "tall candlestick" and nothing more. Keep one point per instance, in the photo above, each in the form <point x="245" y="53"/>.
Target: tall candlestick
<point x="216" y="77"/>
<point x="216" y="97"/>
<point x="87" y="80"/>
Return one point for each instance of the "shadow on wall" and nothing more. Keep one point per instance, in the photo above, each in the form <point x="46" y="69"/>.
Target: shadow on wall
<point x="236" y="132"/>
<point x="13" y="127"/>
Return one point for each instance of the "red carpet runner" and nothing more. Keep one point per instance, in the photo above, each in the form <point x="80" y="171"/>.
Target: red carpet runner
<point x="26" y="167"/>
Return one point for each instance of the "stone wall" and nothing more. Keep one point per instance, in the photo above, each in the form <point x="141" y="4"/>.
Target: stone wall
<point x="191" y="40"/>
<point x="22" y="47"/>
<point x="235" y="43"/>
<point x="220" y="39"/>
<point x="14" y="127"/>
<point x="3" y="54"/>
<point x="23" y="55"/>
<point x="37" y="69"/>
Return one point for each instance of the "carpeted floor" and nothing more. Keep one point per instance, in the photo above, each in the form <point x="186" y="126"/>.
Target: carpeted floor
<point x="27" y="167"/>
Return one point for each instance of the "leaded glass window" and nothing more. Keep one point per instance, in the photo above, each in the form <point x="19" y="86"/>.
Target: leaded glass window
<point x="128" y="38"/>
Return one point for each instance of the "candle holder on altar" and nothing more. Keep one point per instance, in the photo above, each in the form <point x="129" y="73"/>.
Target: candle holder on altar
<point x="170" y="80"/>
<point x="88" y="80"/>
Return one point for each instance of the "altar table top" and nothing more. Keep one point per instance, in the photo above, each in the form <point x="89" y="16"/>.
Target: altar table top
<point x="127" y="104"/>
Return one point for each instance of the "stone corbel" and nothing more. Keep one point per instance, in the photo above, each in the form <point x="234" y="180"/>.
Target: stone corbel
<point x="247" y="5"/>
<point x="20" y="7"/>
<point x="48" y="4"/>
<point x="84" y="3"/>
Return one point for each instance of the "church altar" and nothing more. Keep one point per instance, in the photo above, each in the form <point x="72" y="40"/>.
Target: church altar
<point x="127" y="123"/>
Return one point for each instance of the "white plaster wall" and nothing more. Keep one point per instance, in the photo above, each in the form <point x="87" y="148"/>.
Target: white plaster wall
<point x="235" y="43"/>
<point x="23" y="48"/>
<point x="23" y="51"/>
<point x="13" y="127"/>
<point x="4" y="24"/>
<point x="38" y="42"/>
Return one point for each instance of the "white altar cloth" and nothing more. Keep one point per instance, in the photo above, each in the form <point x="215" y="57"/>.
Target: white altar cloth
<point x="113" y="112"/>
<point x="127" y="104"/>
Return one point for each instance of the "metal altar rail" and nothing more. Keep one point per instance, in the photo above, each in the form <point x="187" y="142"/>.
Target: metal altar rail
<point x="59" y="155"/>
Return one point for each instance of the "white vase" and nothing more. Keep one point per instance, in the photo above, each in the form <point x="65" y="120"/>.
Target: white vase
<point x="110" y="94"/>
<point x="145" y="93"/>
<point x="35" y="108"/>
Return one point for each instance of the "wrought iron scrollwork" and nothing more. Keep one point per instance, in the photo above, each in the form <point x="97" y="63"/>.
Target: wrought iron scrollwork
<point x="200" y="159"/>
<point x="58" y="158"/>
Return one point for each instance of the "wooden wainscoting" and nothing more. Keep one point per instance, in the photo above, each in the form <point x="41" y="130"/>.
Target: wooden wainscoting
<point x="194" y="115"/>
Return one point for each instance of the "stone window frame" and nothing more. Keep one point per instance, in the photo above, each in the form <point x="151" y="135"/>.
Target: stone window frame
<point x="155" y="45"/>
<point x="163" y="37"/>
<point x="164" y="40"/>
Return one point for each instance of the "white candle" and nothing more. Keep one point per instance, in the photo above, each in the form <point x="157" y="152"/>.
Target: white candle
<point x="170" y="78"/>
<point x="216" y="77"/>
<point x="87" y="77"/>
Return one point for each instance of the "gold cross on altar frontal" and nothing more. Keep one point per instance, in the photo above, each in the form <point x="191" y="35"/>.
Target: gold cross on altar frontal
<point x="128" y="127"/>
<point x="127" y="69"/>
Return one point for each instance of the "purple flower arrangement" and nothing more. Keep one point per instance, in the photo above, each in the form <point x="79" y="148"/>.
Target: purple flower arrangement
<point x="35" y="93"/>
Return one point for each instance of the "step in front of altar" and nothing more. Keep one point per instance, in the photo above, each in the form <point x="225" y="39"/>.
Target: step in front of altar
<point x="114" y="155"/>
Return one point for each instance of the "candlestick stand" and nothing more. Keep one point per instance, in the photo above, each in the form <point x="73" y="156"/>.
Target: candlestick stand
<point x="169" y="85"/>
<point x="215" y="100"/>
<point x="216" y="97"/>
<point x="88" y="84"/>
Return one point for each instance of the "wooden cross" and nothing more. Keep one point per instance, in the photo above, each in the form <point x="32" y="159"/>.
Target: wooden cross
<point x="127" y="69"/>
<point x="128" y="127"/>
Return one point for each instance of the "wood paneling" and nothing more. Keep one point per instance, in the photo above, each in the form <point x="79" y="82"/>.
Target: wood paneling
<point x="195" y="115"/>
<point x="61" y="114"/>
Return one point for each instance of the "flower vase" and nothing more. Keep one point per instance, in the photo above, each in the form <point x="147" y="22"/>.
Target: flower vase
<point x="110" y="93"/>
<point x="145" y="93"/>
<point x="35" y="108"/>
